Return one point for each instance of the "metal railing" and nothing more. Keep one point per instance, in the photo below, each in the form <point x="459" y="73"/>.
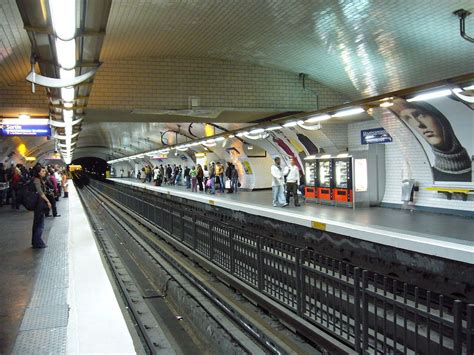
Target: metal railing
<point x="367" y="311"/>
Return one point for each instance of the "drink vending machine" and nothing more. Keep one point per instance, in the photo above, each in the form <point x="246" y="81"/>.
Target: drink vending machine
<point x="342" y="190"/>
<point x="310" y="190"/>
<point x="349" y="179"/>
<point x="325" y="180"/>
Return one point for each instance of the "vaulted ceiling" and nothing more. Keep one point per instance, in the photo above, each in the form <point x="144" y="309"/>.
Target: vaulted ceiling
<point x="359" y="48"/>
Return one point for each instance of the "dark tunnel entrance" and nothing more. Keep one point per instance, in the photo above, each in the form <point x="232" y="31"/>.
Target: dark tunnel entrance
<point x="93" y="166"/>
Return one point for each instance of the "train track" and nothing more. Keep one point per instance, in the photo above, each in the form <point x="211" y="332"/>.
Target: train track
<point x="179" y="304"/>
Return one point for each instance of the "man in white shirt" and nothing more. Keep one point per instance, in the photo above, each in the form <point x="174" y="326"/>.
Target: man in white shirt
<point x="292" y="180"/>
<point x="278" y="184"/>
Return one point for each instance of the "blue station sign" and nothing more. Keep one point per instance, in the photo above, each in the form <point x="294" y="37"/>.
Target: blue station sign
<point x="18" y="129"/>
<point x="374" y="136"/>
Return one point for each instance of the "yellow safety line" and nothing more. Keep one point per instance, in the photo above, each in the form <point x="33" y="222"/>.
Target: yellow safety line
<point x="443" y="189"/>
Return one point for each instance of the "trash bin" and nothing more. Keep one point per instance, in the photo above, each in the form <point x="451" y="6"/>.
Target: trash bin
<point x="408" y="187"/>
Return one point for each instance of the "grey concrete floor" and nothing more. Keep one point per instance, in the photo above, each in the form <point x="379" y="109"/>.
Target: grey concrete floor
<point x="439" y="226"/>
<point x="19" y="264"/>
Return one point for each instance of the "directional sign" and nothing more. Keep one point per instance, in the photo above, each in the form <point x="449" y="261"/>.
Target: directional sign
<point x="375" y="135"/>
<point x="18" y="129"/>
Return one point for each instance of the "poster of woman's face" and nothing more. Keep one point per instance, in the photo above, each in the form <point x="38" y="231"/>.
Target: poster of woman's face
<point x="445" y="129"/>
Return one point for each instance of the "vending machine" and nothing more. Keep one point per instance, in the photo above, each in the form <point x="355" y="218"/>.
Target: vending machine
<point x="325" y="180"/>
<point x="342" y="190"/>
<point x="310" y="190"/>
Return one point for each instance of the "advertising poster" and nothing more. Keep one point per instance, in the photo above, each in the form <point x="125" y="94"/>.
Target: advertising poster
<point x="445" y="129"/>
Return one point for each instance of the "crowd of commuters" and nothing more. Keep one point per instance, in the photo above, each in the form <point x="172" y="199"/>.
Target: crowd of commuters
<point x="197" y="177"/>
<point x="50" y="183"/>
<point x="287" y="182"/>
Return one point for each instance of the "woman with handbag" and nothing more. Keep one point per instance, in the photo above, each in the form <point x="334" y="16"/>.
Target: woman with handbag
<point x="39" y="172"/>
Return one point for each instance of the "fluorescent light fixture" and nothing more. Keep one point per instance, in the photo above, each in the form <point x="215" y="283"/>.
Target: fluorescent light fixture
<point x="342" y="155"/>
<point x="250" y="147"/>
<point x="195" y="144"/>
<point x="24" y="116"/>
<point x="67" y="94"/>
<point x="210" y="141"/>
<point x="220" y="139"/>
<point x="318" y="118"/>
<point x="273" y="128"/>
<point x="386" y="104"/>
<point x="67" y="73"/>
<point x="63" y="17"/>
<point x="241" y="134"/>
<point x="25" y="121"/>
<point x="257" y="131"/>
<point x="310" y="157"/>
<point x="231" y="136"/>
<point x="325" y="156"/>
<point x="292" y="124"/>
<point x="66" y="52"/>
<point x="430" y="95"/>
<point x="349" y="112"/>
<point x="200" y="155"/>
<point x="314" y="127"/>
<point x="68" y="105"/>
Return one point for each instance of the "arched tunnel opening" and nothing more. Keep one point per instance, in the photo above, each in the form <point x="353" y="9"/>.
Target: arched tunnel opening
<point x="94" y="166"/>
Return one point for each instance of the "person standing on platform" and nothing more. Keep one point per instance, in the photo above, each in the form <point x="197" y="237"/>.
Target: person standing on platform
<point x="187" y="177"/>
<point x="57" y="175"/>
<point x="121" y="172"/>
<point x="39" y="172"/>
<point x="220" y="176"/>
<point x="50" y="194"/>
<point x="156" y="173"/>
<point x="3" y="185"/>
<point x="292" y="180"/>
<point x="193" y="175"/>
<point x="200" y="176"/>
<point x="212" y="178"/>
<point x="64" y="184"/>
<point x="14" y="187"/>
<point x="205" y="173"/>
<point x="278" y="184"/>
<point x="234" y="179"/>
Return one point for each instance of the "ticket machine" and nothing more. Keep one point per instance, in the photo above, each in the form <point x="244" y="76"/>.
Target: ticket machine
<point x="342" y="190"/>
<point x="310" y="190"/>
<point x="325" y="180"/>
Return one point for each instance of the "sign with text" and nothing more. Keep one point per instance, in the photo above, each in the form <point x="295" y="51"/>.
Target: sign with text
<point x="375" y="135"/>
<point x="18" y="129"/>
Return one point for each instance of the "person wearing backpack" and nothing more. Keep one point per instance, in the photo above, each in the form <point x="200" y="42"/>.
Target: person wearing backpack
<point x="39" y="172"/>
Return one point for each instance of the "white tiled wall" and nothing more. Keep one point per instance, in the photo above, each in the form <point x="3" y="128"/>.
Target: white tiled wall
<point x="404" y="158"/>
<point x="169" y="83"/>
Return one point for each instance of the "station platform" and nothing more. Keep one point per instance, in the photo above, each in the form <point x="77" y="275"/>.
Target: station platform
<point x="444" y="236"/>
<point x="59" y="299"/>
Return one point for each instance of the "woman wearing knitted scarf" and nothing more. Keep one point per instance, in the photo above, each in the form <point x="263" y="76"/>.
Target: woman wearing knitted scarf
<point x="452" y="162"/>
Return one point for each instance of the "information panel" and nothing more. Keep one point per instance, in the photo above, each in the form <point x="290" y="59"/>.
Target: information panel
<point x="375" y="135"/>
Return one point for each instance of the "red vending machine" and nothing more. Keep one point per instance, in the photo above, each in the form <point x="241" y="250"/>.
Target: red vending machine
<point x="342" y="190"/>
<point x="311" y="190"/>
<point x="325" y="180"/>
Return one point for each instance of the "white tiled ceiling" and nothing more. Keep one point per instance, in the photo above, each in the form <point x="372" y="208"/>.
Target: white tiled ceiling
<point x="14" y="44"/>
<point x="358" y="47"/>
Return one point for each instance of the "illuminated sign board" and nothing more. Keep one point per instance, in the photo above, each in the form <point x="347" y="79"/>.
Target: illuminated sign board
<point x="375" y="135"/>
<point x="30" y="127"/>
